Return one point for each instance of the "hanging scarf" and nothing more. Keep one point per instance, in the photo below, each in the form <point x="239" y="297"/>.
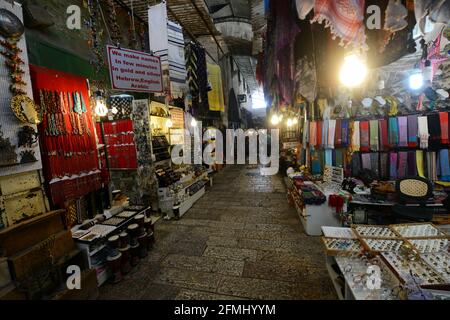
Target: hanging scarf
<point x="403" y="131"/>
<point x="305" y="134"/>
<point x="356" y="164"/>
<point x="374" y="159"/>
<point x="325" y="128"/>
<point x="338" y="134"/>
<point x="393" y="158"/>
<point x="312" y="134"/>
<point x="412" y="163"/>
<point x="319" y="133"/>
<point x="356" y="138"/>
<point x="345" y="18"/>
<point x="420" y="163"/>
<point x="402" y="164"/>
<point x="434" y="126"/>
<point x="365" y="137"/>
<point x="345" y="133"/>
<point x="329" y="157"/>
<point x="431" y="166"/>
<point x="374" y="142"/>
<point x="339" y="158"/>
<point x="393" y="132"/>
<point x="331" y="133"/>
<point x="366" y="161"/>
<point x="423" y="132"/>
<point x="384" y="134"/>
<point x="443" y="117"/>
<point x="384" y="171"/>
<point x="445" y="164"/>
<point x="412" y="131"/>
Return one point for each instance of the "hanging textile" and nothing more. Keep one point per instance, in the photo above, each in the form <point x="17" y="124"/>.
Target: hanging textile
<point x="445" y="165"/>
<point x="197" y="78"/>
<point x="402" y="164"/>
<point x="393" y="160"/>
<point x="423" y="132"/>
<point x="69" y="148"/>
<point x="412" y="131"/>
<point x="443" y="117"/>
<point x="304" y="7"/>
<point x="338" y="133"/>
<point x="365" y="136"/>
<point x="326" y="125"/>
<point x="375" y="164"/>
<point x="393" y="132"/>
<point x="215" y="96"/>
<point x="316" y="166"/>
<point x="319" y="133"/>
<point x="366" y="161"/>
<point x="356" y="145"/>
<point x="403" y="131"/>
<point x="356" y="164"/>
<point x="432" y="166"/>
<point x="374" y="140"/>
<point x="434" y="127"/>
<point x="384" y="134"/>
<point x="345" y="133"/>
<point x="331" y="133"/>
<point x="412" y="164"/>
<point x="339" y="162"/>
<point x="306" y="128"/>
<point x="420" y="163"/>
<point x="329" y="157"/>
<point x="384" y="169"/>
<point x="313" y="134"/>
<point x="345" y="18"/>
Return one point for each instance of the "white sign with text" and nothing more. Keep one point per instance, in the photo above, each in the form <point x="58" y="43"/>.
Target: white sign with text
<point x="132" y="70"/>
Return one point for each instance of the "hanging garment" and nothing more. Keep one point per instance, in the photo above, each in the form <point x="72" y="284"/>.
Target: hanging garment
<point x="329" y="157"/>
<point x="434" y="127"/>
<point x="384" y="134"/>
<point x="366" y="161"/>
<point x="445" y="165"/>
<point x="345" y="18"/>
<point x="443" y="117"/>
<point x="313" y="134"/>
<point x="356" y="164"/>
<point x="316" y="162"/>
<point x="393" y="132"/>
<point x="325" y="129"/>
<point x="402" y="164"/>
<point x="374" y="139"/>
<point x="384" y="169"/>
<point x="375" y="164"/>
<point x="412" y="163"/>
<point x="345" y="133"/>
<point x="215" y="96"/>
<point x="393" y="160"/>
<point x="432" y="166"/>
<point x="412" y="131"/>
<point x="403" y="131"/>
<point x="420" y="163"/>
<point x="331" y="133"/>
<point x="306" y="134"/>
<point x="423" y="132"/>
<point x="319" y="133"/>
<point x="339" y="162"/>
<point x="356" y="137"/>
<point x="365" y="136"/>
<point x="338" y="134"/>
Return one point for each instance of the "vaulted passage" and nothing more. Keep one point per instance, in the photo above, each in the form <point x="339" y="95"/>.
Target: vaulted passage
<point x="240" y="241"/>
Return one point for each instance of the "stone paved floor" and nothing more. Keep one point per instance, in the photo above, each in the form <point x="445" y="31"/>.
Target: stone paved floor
<point x="240" y="241"/>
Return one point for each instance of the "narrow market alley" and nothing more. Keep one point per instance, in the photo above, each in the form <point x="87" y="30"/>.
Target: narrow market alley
<point x="240" y="241"/>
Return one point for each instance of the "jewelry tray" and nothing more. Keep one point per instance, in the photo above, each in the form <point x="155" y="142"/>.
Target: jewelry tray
<point x="377" y="245"/>
<point x="339" y="246"/>
<point x="374" y="231"/>
<point x="427" y="245"/>
<point x="417" y="230"/>
<point x="440" y="262"/>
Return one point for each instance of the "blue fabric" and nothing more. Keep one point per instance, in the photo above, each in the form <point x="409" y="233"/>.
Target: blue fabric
<point x="445" y="165"/>
<point x="329" y="157"/>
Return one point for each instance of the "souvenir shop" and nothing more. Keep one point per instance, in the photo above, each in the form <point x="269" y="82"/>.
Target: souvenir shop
<point x="363" y="118"/>
<point x="85" y="166"/>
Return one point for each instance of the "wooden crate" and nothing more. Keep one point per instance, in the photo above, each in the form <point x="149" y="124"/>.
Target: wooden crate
<point x="26" y="234"/>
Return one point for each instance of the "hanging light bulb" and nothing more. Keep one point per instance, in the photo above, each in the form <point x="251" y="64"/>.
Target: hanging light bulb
<point x="289" y="123"/>
<point x="353" y="71"/>
<point x="169" y="123"/>
<point x="275" y="120"/>
<point x="416" y="80"/>
<point x="193" y="123"/>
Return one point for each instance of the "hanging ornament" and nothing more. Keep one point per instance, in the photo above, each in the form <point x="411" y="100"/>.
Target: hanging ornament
<point x="116" y="36"/>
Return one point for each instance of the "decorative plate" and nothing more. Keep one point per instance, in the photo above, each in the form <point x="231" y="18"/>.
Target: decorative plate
<point x="24" y="109"/>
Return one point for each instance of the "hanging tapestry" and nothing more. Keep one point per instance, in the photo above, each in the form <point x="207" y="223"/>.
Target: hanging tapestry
<point x="215" y="96"/>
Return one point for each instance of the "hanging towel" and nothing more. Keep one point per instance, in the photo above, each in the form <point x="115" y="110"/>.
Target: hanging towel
<point x="420" y="164"/>
<point x="331" y="133"/>
<point x="443" y="117"/>
<point x="403" y="131"/>
<point x="412" y="131"/>
<point x="384" y="134"/>
<point x="374" y="140"/>
<point x="402" y="164"/>
<point x="445" y="164"/>
<point x="393" y="132"/>
<point x="434" y="127"/>
<point x="384" y="170"/>
<point x="393" y="158"/>
<point x="345" y="133"/>
<point x="423" y="132"/>
<point x="366" y="161"/>
<point x="365" y="137"/>
<point x="356" y="144"/>
<point x="338" y="134"/>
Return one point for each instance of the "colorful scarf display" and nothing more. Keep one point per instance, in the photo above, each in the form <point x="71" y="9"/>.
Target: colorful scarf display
<point x="313" y="134"/>
<point x="338" y="133"/>
<point x="445" y="164"/>
<point x="434" y="127"/>
<point x="384" y="170"/>
<point x="424" y="134"/>
<point x="345" y="133"/>
<point x="393" y="132"/>
<point x="403" y="131"/>
<point x="374" y="140"/>
<point x="356" y="140"/>
<point x="443" y="117"/>
<point x="365" y="137"/>
<point x="331" y="133"/>
<point x="319" y="133"/>
<point x="412" y="131"/>
<point x="384" y="134"/>
<point x="393" y="160"/>
<point x="345" y="18"/>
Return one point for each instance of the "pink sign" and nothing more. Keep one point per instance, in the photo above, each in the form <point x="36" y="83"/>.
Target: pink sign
<point x="132" y="70"/>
